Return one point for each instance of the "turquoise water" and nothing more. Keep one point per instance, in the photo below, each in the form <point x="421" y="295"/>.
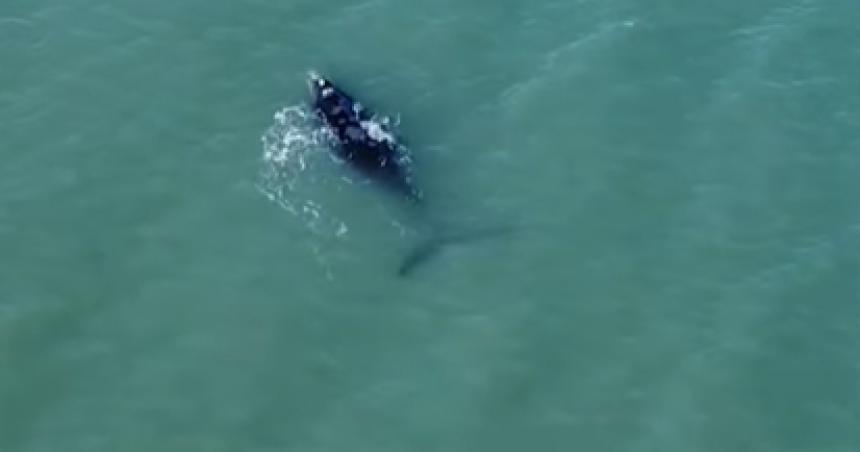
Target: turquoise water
<point x="182" y="268"/>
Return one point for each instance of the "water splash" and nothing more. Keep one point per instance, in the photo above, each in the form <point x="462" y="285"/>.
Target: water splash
<point x="293" y="147"/>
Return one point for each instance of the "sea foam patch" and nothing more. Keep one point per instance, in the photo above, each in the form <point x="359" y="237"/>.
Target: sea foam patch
<point x="293" y="147"/>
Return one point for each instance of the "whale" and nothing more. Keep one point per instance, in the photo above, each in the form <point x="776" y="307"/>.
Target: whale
<point x="369" y="146"/>
<point x="365" y="143"/>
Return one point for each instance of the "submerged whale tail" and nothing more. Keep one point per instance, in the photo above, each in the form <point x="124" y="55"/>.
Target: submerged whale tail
<point x="432" y="247"/>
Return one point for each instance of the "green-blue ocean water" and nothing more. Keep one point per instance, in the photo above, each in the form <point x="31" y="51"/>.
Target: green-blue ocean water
<point x="183" y="269"/>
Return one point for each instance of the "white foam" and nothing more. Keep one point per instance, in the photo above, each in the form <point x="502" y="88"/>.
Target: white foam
<point x="291" y="147"/>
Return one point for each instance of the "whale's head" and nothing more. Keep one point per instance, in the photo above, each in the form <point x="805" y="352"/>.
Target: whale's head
<point x="319" y="86"/>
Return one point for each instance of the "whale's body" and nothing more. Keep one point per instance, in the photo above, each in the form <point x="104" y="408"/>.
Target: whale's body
<point x="364" y="143"/>
<point x="368" y="146"/>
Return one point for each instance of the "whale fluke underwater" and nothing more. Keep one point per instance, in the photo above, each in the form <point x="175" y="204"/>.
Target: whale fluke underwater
<point x="371" y="148"/>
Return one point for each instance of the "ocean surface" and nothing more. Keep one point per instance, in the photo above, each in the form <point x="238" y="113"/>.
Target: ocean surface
<point x="183" y="266"/>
